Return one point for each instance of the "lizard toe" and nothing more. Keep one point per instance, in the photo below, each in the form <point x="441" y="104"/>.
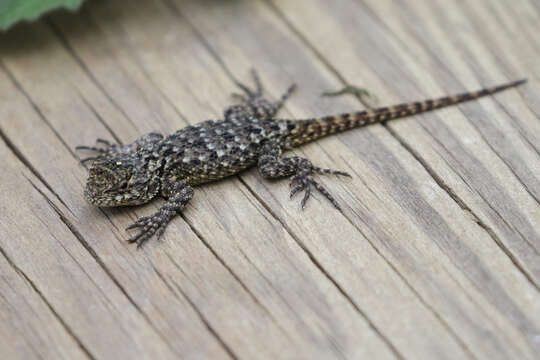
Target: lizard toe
<point x="151" y="225"/>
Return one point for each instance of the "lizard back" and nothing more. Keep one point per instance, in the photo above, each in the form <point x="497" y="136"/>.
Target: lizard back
<point x="212" y="150"/>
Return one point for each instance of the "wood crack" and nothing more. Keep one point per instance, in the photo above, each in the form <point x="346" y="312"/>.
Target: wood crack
<point x="209" y="48"/>
<point x="461" y="203"/>
<point x="64" y="324"/>
<point x="63" y="218"/>
<point x="334" y="282"/>
<point x="87" y="71"/>
<point x="104" y="267"/>
<point x="206" y="323"/>
<point x="99" y="117"/>
<point x="19" y="155"/>
<point x="13" y="311"/>
<point x="505" y="161"/>
<point x="226" y="266"/>
<point x="34" y="106"/>
<point x="214" y="334"/>
<point x="71" y="227"/>
<point x="342" y="79"/>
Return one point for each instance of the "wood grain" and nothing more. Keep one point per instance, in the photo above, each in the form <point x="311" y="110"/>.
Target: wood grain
<point x="437" y="252"/>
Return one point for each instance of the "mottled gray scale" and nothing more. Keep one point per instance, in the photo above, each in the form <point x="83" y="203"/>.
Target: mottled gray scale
<point x="216" y="149"/>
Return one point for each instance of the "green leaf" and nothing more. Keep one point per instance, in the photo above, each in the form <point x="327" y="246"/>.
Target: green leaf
<point x="12" y="11"/>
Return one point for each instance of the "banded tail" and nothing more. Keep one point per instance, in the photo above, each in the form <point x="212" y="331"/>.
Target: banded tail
<point x="309" y="130"/>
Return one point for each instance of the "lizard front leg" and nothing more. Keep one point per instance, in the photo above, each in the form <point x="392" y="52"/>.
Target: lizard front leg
<point x="300" y="170"/>
<point x="109" y="149"/>
<point x="178" y="195"/>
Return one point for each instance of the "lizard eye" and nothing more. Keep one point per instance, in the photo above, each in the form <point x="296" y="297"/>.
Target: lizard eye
<point x="121" y="185"/>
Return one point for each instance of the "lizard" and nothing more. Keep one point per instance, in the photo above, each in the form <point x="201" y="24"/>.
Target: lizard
<point x="250" y="134"/>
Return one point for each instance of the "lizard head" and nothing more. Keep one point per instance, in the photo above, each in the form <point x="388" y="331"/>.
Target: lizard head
<point x="122" y="180"/>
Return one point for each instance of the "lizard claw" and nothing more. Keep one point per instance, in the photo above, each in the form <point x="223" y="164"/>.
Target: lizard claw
<point x="107" y="145"/>
<point x="91" y="148"/>
<point x="257" y="92"/>
<point x="305" y="182"/>
<point x="139" y="223"/>
<point x="179" y="194"/>
<point x="150" y="225"/>
<point x="321" y="171"/>
<point x="100" y="150"/>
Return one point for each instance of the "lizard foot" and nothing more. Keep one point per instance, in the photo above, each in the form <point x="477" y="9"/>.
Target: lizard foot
<point x="100" y="150"/>
<point x="178" y="194"/>
<point x="303" y="181"/>
<point x="367" y="98"/>
<point x="149" y="225"/>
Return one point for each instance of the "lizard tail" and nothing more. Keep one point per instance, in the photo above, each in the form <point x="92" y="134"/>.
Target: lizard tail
<point x="304" y="131"/>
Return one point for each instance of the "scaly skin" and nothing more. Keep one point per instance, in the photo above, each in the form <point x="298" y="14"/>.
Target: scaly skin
<point x="249" y="135"/>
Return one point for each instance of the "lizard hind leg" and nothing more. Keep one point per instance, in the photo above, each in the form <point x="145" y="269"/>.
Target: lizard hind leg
<point x="303" y="180"/>
<point x="300" y="170"/>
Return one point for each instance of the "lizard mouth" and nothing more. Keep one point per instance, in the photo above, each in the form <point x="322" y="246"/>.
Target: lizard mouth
<point x="114" y="196"/>
<point x="104" y="188"/>
<point x="99" y="195"/>
<point x="95" y="197"/>
<point x="90" y="196"/>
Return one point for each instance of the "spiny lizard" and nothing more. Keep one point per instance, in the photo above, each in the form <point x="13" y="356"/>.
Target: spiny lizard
<point x="249" y="135"/>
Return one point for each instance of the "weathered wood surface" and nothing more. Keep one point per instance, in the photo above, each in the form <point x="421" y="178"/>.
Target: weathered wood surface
<point x="437" y="252"/>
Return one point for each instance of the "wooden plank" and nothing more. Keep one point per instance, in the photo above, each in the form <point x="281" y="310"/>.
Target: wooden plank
<point x="502" y="194"/>
<point x="430" y="259"/>
<point x="54" y="256"/>
<point x="482" y="280"/>
<point x="29" y="327"/>
<point x="137" y="36"/>
<point x="80" y="285"/>
<point x="256" y="316"/>
<point x="298" y="312"/>
<point x="163" y="80"/>
<point x="505" y="147"/>
<point x="514" y="189"/>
